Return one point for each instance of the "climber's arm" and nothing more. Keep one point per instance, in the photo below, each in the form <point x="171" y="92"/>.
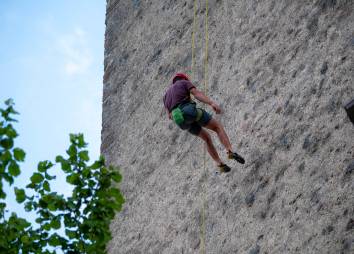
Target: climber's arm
<point x="200" y="96"/>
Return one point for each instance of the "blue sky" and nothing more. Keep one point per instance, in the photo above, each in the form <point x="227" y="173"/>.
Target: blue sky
<point x="51" y="64"/>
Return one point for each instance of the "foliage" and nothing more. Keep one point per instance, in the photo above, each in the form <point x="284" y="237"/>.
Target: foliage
<point x="75" y="224"/>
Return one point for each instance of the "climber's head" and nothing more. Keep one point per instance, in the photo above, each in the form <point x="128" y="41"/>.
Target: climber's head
<point x="179" y="76"/>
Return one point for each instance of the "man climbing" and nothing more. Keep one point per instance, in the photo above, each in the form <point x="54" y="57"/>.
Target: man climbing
<point x="187" y="116"/>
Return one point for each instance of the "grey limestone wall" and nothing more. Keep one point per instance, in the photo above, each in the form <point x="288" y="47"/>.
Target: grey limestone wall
<point x="282" y="71"/>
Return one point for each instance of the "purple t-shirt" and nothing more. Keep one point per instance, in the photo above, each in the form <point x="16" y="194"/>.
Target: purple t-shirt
<point x="176" y="93"/>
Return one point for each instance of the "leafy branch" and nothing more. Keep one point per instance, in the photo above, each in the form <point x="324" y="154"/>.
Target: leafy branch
<point x="84" y="217"/>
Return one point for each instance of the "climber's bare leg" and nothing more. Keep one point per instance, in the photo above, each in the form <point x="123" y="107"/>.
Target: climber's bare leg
<point x="210" y="146"/>
<point x="216" y="126"/>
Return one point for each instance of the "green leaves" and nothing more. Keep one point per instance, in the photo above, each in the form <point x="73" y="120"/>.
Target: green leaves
<point x="9" y="156"/>
<point x="20" y="195"/>
<point x="10" y="132"/>
<point x="65" y="165"/>
<point x="36" y="178"/>
<point x="84" y="216"/>
<point x="54" y="240"/>
<point x="73" y="179"/>
<point x="14" y="169"/>
<point x="25" y="239"/>
<point x="6" y="113"/>
<point x="7" y="143"/>
<point x="5" y="157"/>
<point x="43" y="166"/>
<point x="78" y="140"/>
<point x="49" y="177"/>
<point x="46" y="186"/>
<point x="9" y="102"/>
<point x="72" y="151"/>
<point x="84" y="155"/>
<point x="19" y="154"/>
<point x="116" y="176"/>
<point x="55" y="224"/>
<point x="71" y="234"/>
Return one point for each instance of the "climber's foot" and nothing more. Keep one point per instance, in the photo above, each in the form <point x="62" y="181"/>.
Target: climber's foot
<point x="223" y="168"/>
<point x="235" y="156"/>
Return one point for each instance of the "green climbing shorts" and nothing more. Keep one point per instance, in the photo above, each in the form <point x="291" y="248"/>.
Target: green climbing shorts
<point x="193" y="118"/>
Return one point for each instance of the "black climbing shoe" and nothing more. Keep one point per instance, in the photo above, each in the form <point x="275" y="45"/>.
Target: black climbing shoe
<point x="223" y="168"/>
<point x="235" y="156"/>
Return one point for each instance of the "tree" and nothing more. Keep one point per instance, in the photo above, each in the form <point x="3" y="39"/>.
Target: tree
<point x="75" y="224"/>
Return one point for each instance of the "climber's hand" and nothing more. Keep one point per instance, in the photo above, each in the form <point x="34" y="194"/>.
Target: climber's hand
<point x="216" y="108"/>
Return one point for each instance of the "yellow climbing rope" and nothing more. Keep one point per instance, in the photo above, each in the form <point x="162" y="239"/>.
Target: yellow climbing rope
<point x="206" y="49"/>
<point x="204" y="198"/>
<point x="193" y="38"/>
<point x="206" y="92"/>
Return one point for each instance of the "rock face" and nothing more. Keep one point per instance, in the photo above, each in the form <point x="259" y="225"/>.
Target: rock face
<point x="282" y="71"/>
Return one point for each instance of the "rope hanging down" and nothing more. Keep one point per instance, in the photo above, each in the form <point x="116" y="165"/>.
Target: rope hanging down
<point x="193" y="38"/>
<point x="204" y="199"/>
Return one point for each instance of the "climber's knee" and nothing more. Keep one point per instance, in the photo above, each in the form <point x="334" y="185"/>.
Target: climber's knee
<point x="203" y="134"/>
<point x="214" y="125"/>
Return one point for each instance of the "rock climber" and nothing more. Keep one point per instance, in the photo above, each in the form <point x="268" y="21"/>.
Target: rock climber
<point x="184" y="112"/>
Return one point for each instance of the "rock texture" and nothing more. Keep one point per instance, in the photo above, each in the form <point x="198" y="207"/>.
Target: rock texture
<point x="282" y="70"/>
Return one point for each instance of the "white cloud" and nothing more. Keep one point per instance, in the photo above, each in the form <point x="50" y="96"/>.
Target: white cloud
<point x="77" y="55"/>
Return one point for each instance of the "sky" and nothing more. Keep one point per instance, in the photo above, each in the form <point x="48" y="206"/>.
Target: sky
<point x="51" y="64"/>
